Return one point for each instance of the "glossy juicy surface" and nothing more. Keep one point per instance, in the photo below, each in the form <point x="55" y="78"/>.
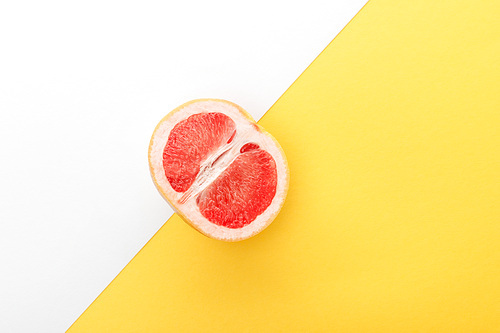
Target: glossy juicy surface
<point x="240" y="189"/>
<point x="190" y="142"/>
<point x="242" y="192"/>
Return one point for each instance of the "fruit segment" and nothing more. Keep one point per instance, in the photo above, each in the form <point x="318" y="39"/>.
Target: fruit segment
<point x="242" y="192"/>
<point x="190" y="142"/>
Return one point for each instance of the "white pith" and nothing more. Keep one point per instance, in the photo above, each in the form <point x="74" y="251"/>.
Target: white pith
<point x="245" y="132"/>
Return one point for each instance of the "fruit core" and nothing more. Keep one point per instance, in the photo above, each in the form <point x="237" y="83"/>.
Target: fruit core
<point x="232" y="180"/>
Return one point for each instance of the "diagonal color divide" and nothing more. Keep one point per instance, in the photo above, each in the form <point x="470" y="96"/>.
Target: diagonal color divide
<point x="392" y="219"/>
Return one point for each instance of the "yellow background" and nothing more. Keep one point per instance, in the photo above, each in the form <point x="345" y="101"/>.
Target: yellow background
<point x="392" y="222"/>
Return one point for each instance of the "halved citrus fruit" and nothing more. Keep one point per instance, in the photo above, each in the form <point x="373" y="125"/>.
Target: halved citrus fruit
<point x="220" y="171"/>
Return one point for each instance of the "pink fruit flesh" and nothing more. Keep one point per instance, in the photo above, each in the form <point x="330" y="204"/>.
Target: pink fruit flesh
<point x="248" y="147"/>
<point x="242" y="191"/>
<point x="190" y="142"/>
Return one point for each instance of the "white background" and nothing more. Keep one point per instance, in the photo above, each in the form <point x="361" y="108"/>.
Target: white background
<point x="82" y="86"/>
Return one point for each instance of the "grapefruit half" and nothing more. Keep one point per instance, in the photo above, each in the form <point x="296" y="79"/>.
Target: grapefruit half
<point x="218" y="169"/>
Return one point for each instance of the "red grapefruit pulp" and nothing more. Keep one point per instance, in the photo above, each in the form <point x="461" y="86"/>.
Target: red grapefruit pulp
<point x="190" y="142"/>
<point x="224" y="174"/>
